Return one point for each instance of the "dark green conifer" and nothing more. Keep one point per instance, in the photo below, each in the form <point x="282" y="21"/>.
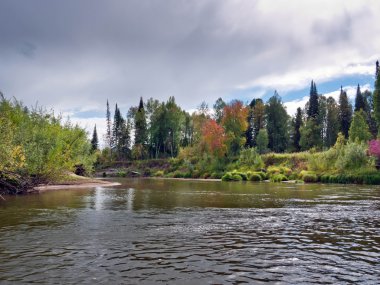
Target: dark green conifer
<point x="359" y="100"/>
<point x="345" y="113"/>
<point x="94" y="140"/>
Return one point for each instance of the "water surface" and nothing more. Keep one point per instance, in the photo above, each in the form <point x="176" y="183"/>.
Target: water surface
<point x="150" y="231"/>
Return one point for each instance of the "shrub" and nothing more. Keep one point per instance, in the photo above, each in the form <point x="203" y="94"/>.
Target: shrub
<point x="310" y="178"/>
<point x="159" y="173"/>
<point x="353" y="156"/>
<point x="236" y="177"/>
<point x="250" y="158"/>
<point x="255" y="177"/>
<point x="216" y="175"/>
<point x="178" y="174"/>
<point x="227" y="177"/>
<point x="278" y="178"/>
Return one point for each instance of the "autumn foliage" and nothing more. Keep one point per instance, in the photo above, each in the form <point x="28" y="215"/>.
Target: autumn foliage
<point x="214" y="138"/>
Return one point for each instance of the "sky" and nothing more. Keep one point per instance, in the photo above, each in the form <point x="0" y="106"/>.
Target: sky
<point x="73" y="55"/>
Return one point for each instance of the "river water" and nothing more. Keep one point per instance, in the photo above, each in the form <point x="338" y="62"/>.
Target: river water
<point x="150" y="231"/>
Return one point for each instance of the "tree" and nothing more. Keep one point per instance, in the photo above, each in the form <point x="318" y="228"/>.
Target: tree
<point x="297" y="126"/>
<point x="140" y="125"/>
<point x="359" y="100"/>
<point x="313" y="109"/>
<point x="345" y="113"/>
<point x="249" y="134"/>
<point x="108" y="127"/>
<point x="332" y="122"/>
<point x="262" y="141"/>
<point x="277" y="124"/>
<point x="235" y="124"/>
<point x="213" y="138"/>
<point x="218" y="110"/>
<point x="359" y="130"/>
<point x="376" y="95"/>
<point x="94" y="140"/>
<point x="258" y="118"/>
<point x="310" y="135"/>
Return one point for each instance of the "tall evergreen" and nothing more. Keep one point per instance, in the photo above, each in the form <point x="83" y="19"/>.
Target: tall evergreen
<point x="94" y="140"/>
<point x="218" y="110"/>
<point x="258" y="118"/>
<point x="297" y="133"/>
<point x="313" y="109"/>
<point x="359" y="100"/>
<point x="108" y="127"/>
<point x="376" y="95"/>
<point x="345" y="113"/>
<point x="141" y="125"/>
<point x="277" y="124"/>
<point x="117" y="129"/>
<point x="249" y="134"/>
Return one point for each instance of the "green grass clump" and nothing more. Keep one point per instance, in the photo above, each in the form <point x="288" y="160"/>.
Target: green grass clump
<point x="278" y="178"/>
<point x="310" y="178"/>
<point x="255" y="177"/>
<point x="232" y="176"/>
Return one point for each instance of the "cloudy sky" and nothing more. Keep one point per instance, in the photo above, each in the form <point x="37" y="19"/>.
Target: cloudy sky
<point x="73" y="55"/>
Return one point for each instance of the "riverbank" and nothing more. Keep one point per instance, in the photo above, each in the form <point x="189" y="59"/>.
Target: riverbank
<point x="73" y="181"/>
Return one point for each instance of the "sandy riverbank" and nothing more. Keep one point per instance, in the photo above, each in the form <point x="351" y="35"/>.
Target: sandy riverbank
<point x="76" y="182"/>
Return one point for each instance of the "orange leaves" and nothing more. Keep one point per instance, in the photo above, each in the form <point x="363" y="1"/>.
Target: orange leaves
<point x="214" y="138"/>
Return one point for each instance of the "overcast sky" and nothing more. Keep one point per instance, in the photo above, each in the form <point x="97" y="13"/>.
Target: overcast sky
<point x="73" y="55"/>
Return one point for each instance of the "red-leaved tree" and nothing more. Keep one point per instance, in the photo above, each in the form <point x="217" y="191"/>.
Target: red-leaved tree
<point x="214" y="138"/>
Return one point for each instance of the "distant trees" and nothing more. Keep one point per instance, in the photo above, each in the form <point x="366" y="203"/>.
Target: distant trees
<point x="161" y="129"/>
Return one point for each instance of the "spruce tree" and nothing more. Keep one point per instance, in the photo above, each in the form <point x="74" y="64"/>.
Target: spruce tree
<point x="94" y="140"/>
<point x="258" y="118"/>
<point x="141" y="131"/>
<point x="313" y="109"/>
<point x="108" y="127"/>
<point x="297" y="133"/>
<point x="359" y="100"/>
<point x="345" y="113"/>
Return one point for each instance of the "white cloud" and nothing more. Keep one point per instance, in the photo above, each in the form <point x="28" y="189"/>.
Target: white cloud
<point x="291" y="106"/>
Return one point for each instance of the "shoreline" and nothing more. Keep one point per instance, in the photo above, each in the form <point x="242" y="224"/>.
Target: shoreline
<point x="81" y="184"/>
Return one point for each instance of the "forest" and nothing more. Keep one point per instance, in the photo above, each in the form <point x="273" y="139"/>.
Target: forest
<point x="326" y="141"/>
<point x="329" y="140"/>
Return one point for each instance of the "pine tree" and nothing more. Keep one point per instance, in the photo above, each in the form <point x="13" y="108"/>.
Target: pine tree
<point x="313" y="109"/>
<point x="108" y="130"/>
<point x="94" y="140"/>
<point x="141" y="132"/>
<point x="297" y="126"/>
<point x="376" y="95"/>
<point x="345" y="113"/>
<point x="258" y="118"/>
<point x="359" y="100"/>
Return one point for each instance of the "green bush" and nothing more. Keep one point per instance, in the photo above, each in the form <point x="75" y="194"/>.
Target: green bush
<point x="310" y="178"/>
<point x="216" y="175"/>
<point x="159" y="173"/>
<point x="250" y="158"/>
<point x="236" y="177"/>
<point x="178" y="174"/>
<point x="278" y="178"/>
<point x="227" y="177"/>
<point x="255" y="177"/>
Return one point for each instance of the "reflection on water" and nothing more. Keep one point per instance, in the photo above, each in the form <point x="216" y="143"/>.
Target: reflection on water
<point x="192" y="232"/>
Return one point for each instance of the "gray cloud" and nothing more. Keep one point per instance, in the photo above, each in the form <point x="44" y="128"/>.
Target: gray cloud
<point x="73" y="55"/>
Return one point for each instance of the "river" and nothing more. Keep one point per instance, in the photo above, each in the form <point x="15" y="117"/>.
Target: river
<point x="149" y="231"/>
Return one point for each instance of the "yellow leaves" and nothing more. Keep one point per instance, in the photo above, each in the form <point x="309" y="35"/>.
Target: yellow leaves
<point x="18" y="157"/>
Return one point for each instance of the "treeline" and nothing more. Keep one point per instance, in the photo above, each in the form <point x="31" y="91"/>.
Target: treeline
<point x="162" y="129"/>
<point x="37" y="147"/>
